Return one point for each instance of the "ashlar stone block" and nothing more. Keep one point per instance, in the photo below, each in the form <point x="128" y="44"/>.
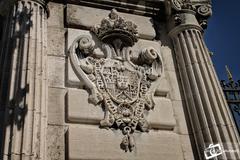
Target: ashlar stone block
<point x="89" y="142"/>
<point x="161" y="117"/>
<point x="56" y="105"/>
<point x="56" y="41"/>
<point x="80" y="110"/>
<point x="56" y="18"/>
<point x="55" y="142"/>
<point x="174" y="85"/>
<point x="56" y="71"/>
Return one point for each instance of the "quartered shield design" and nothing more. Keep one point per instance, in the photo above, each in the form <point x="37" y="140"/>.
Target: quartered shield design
<point x="121" y="83"/>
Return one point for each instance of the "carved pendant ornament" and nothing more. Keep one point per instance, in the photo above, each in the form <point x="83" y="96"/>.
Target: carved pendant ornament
<point x="122" y="85"/>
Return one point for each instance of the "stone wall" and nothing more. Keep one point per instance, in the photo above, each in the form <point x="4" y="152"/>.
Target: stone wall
<point x="73" y="123"/>
<point x="110" y="80"/>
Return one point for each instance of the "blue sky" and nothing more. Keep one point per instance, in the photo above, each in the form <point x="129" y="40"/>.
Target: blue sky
<point x="223" y="37"/>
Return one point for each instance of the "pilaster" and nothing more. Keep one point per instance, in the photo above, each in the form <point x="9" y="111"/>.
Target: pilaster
<point x="210" y="118"/>
<point x="24" y="81"/>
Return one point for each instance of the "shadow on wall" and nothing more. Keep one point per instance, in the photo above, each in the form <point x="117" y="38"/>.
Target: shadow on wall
<point x="13" y="75"/>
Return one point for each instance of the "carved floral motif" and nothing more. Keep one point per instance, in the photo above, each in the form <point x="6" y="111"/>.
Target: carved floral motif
<point x="123" y="87"/>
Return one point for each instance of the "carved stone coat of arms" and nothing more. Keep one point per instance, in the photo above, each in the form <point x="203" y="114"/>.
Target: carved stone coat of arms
<point x="122" y="85"/>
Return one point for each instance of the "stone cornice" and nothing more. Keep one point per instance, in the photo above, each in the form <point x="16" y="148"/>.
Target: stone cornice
<point x="138" y="7"/>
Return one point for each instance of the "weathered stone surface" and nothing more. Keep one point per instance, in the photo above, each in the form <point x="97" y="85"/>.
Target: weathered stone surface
<point x="168" y="60"/>
<point x="163" y="89"/>
<point x="174" y="85"/>
<point x="90" y="142"/>
<point x="161" y="117"/>
<point x="56" y="41"/>
<point x="186" y="147"/>
<point x="83" y="17"/>
<point x="56" y="73"/>
<point x="180" y="117"/>
<point x="56" y="105"/>
<point x="168" y="138"/>
<point x="56" y="18"/>
<point x="81" y="111"/>
<point x="55" y="142"/>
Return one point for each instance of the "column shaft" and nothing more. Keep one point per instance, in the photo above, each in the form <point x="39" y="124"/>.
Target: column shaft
<point x="23" y="88"/>
<point x="207" y="108"/>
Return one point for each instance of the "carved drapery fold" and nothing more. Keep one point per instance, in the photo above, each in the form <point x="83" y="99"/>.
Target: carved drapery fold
<point x="210" y="118"/>
<point x="24" y="81"/>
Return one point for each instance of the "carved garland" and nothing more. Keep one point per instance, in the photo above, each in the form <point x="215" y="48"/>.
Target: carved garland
<point x="122" y="86"/>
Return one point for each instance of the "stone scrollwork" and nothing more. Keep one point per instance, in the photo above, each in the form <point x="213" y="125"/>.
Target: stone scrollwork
<point x="202" y="10"/>
<point x="176" y="4"/>
<point x="123" y="87"/>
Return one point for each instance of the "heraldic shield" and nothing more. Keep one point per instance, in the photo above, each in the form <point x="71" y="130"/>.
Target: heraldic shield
<point x="123" y="85"/>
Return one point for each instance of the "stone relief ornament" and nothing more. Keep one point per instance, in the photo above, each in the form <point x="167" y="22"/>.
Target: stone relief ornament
<point x="203" y="10"/>
<point x="176" y="4"/>
<point x="123" y="86"/>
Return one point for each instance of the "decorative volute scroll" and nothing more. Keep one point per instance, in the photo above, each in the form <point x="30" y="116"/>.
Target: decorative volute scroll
<point x="202" y="10"/>
<point x="122" y="85"/>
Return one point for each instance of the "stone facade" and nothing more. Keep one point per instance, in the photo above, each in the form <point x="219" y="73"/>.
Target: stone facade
<point x="110" y="80"/>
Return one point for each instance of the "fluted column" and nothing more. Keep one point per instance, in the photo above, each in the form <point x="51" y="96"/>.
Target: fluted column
<point x="207" y="108"/>
<point x="23" y="88"/>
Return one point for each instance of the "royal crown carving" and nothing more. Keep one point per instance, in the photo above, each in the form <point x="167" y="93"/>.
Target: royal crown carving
<point x="114" y="26"/>
<point x="123" y="86"/>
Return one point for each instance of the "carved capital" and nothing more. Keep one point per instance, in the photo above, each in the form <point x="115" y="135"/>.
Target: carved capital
<point x="7" y="5"/>
<point x="184" y="13"/>
<point x="43" y="3"/>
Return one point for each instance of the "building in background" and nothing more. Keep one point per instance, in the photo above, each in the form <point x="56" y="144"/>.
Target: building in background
<point x="110" y="79"/>
<point x="231" y="90"/>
